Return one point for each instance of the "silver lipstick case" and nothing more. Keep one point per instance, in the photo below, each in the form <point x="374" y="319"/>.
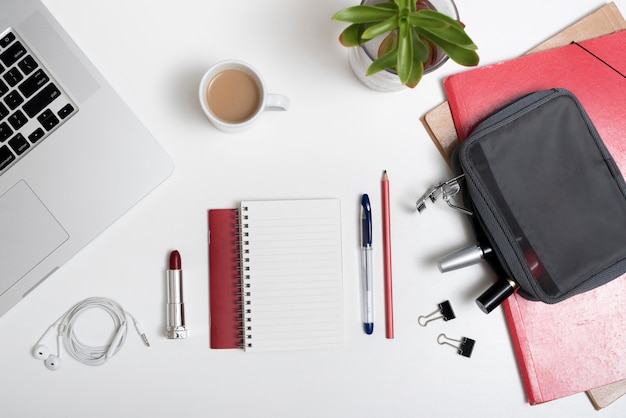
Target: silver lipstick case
<point x="176" y="325"/>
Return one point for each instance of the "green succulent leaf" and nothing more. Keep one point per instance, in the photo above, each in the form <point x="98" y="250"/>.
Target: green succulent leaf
<point x="413" y="34"/>
<point x="442" y="26"/>
<point x="384" y="62"/>
<point x="365" y="14"/>
<point x="450" y="35"/>
<point x="405" y="52"/>
<point x="433" y="14"/>
<point x="416" y="73"/>
<point x="381" y="28"/>
<point x="458" y="54"/>
<point x="421" y="51"/>
<point x="351" y="36"/>
<point x="405" y="4"/>
<point x="388" y="43"/>
<point x="389" y="5"/>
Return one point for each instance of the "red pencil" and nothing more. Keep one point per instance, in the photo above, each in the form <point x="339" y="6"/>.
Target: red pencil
<point x="387" y="257"/>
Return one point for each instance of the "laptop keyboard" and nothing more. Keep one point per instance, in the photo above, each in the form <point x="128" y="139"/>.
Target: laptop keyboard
<point x="32" y="104"/>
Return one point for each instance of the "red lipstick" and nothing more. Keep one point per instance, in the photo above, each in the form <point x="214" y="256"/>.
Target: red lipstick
<point x="175" y="263"/>
<point x="176" y="326"/>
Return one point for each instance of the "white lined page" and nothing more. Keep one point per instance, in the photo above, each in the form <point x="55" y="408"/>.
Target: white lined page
<point x="292" y="274"/>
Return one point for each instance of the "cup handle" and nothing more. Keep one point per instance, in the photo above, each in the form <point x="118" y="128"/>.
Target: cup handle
<point x="276" y="102"/>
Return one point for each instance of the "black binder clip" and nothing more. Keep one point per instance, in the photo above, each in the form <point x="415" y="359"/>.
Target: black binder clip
<point x="464" y="347"/>
<point x="447" y="190"/>
<point x="445" y="309"/>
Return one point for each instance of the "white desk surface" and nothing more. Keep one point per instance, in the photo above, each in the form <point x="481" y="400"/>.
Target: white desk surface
<point x="335" y="141"/>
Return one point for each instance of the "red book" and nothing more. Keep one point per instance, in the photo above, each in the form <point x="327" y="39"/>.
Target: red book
<point x="224" y="288"/>
<point x="578" y="344"/>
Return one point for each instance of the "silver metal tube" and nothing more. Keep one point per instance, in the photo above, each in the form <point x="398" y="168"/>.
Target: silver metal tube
<point x="176" y="325"/>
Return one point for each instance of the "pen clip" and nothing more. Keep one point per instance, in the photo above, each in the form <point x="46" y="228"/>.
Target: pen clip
<point x="366" y="222"/>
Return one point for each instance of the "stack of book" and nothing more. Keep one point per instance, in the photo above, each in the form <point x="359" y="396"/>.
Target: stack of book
<point x="576" y="345"/>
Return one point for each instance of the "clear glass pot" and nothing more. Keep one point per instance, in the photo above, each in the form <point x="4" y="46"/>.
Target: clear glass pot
<point x="361" y="57"/>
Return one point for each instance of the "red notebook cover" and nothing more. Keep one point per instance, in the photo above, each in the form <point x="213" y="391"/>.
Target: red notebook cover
<point x="578" y="344"/>
<point x="224" y="299"/>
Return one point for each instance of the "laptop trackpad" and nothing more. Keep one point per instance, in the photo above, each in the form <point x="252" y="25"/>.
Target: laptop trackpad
<point x="29" y="233"/>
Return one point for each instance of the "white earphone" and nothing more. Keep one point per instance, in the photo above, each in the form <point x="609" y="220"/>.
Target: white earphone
<point x="92" y="356"/>
<point x="54" y="362"/>
<point x="42" y="352"/>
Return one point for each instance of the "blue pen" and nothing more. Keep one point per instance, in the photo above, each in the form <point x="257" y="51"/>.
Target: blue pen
<point x="366" y="264"/>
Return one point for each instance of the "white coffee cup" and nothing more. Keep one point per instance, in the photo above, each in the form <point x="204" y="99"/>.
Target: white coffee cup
<point x="233" y="95"/>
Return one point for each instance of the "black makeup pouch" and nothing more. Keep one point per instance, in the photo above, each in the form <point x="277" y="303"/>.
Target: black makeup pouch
<point x="546" y="196"/>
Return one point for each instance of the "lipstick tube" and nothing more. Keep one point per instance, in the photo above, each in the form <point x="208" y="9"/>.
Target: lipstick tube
<point x="496" y="294"/>
<point x="176" y="325"/>
<point x="462" y="258"/>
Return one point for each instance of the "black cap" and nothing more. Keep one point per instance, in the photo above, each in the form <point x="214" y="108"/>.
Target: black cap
<point x="495" y="295"/>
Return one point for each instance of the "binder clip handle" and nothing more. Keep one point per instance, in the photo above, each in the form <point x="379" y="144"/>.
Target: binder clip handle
<point x="464" y="346"/>
<point x="444" y="309"/>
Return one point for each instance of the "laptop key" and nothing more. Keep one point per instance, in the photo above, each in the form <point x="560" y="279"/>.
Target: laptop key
<point x="48" y="120"/>
<point x="13" y="76"/>
<point x="41" y="100"/>
<point x="33" y="83"/>
<point x="4" y="89"/>
<point x="19" y="144"/>
<point x="13" y="99"/>
<point x="5" y="131"/>
<point x="7" y="39"/>
<point x="65" y="111"/>
<point x="27" y="65"/>
<point x="18" y="119"/>
<point x="12" y="54"/>
<point x="6" y="157"/>
<point x="4" y="112"/>
<point x="36" y="135"/>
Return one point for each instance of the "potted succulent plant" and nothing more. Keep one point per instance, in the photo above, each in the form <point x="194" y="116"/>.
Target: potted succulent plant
<point x="412" y="36"/>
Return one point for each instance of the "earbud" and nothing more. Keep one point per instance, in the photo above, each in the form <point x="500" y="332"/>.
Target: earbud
<point x="53" y="362"/>
<point x="41" y="352"/>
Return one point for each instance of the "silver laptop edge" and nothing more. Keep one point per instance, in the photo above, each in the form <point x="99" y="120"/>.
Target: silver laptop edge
<point x="85" y="175"/>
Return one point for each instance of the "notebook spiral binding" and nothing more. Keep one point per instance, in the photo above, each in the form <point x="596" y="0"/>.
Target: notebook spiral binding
<point x="243" y="284"/>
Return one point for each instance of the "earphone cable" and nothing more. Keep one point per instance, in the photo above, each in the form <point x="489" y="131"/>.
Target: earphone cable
<point x="97" y="355"/>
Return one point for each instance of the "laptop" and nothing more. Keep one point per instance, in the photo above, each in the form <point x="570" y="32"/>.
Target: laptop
<point x="73" y="156"/>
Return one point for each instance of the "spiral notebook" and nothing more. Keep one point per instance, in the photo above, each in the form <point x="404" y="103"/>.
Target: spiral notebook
<point x="275" y="275"/>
